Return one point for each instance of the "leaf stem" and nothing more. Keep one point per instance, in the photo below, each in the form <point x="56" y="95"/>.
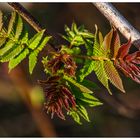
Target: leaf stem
<point x="98" y="58"/>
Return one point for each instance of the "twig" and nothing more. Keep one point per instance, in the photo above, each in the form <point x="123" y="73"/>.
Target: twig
<point x="26" y="15"/>
<point x="113" y="15"/>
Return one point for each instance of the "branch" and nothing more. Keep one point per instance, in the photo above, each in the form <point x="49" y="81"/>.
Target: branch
<point x="113" y="15"/>
<point x="26" y="15"/>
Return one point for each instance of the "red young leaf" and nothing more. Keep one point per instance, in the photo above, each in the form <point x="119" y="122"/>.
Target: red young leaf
<point x="124" y="49"/>
<point x="115" y="44"/>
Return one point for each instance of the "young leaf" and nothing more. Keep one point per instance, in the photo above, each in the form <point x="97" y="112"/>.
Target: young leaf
<point x="11" y="22"/>
<point x="15" y="61"/>
<point x="86" y="70"/>
<point x="115" y="45"/>
<point x="43" y="43"/>
<point x="84" y="98"/>
<point x="113" y="75"/>
<point x="7" y="47"/>
<point x="91" y="85"/>
<point x="107" y="41"/>
<point x="75" y="116"/>
<point x="12" y="53"/>
<point x="101" y="73"/>
<point x="34" y="54"/>
<point x="78" y="85"/>
<point x="19" y="28"/>
<point x="2" y="41"/>
<point x="32" y="60"/>
<point x="35" y="40"/>
<point x="83" y="112"/>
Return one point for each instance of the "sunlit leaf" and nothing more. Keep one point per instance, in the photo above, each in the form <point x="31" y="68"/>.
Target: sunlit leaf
<point x="113" y="75"/>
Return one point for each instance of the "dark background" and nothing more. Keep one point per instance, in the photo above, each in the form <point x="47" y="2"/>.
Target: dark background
<point x="118" y="117"/>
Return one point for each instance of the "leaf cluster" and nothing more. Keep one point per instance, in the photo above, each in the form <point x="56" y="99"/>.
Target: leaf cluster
<point x="15" y="44"/>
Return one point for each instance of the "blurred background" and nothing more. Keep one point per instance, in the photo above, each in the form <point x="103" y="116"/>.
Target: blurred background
<point x="21" y="115"/>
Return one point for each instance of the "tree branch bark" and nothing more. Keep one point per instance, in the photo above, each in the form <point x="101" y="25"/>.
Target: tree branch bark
<point x="113" y="15"/>
<point x="26" y="15"/>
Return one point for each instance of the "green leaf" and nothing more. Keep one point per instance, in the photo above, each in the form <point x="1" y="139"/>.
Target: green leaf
<point x="91" y="85"/>
<point x="35" y="40"/>
<point x="75" y="116"/>
<point x="34" y="54"/>
<point x="83" y="112"/>
<point x="78" y="85"/>
<point x="24" y="38"/>
<point x="74" y="28"/>
<point x="11" y="22"/>
<point x="101" y="73"/>
<point x="14" y="62"/>
<point x="84" y="98"/>
<point x="1" y="20"/>
<point x="12" y="53"/>
<point x="19" y="28"/>
<point x="7" y="47"/>
<point x="43" y="43"/>
<point x="2" y="41"/>
<point x="86" y="70"/>
<point x="80" y="111"/>
<point x="32" y="60"/>
<point x="88" y="65"/>
<point x="113" y="75"/>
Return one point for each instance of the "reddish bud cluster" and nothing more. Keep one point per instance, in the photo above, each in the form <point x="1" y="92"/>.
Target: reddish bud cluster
<point x="62" y="61"/>
<point x="58" y="96"/>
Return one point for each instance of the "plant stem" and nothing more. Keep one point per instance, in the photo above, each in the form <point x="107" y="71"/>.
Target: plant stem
<point x="98" y="58"/>
<point x="113" y="15"/>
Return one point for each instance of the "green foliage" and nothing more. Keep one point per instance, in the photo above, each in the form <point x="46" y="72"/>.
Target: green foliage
<point x="78" y="113"/>
<point x="83" y="99"/>
<point x="75" y="35"/>
<point x="103" y="56"/>
<point x="15" y="44"/>
<point x="78" y="85"/>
